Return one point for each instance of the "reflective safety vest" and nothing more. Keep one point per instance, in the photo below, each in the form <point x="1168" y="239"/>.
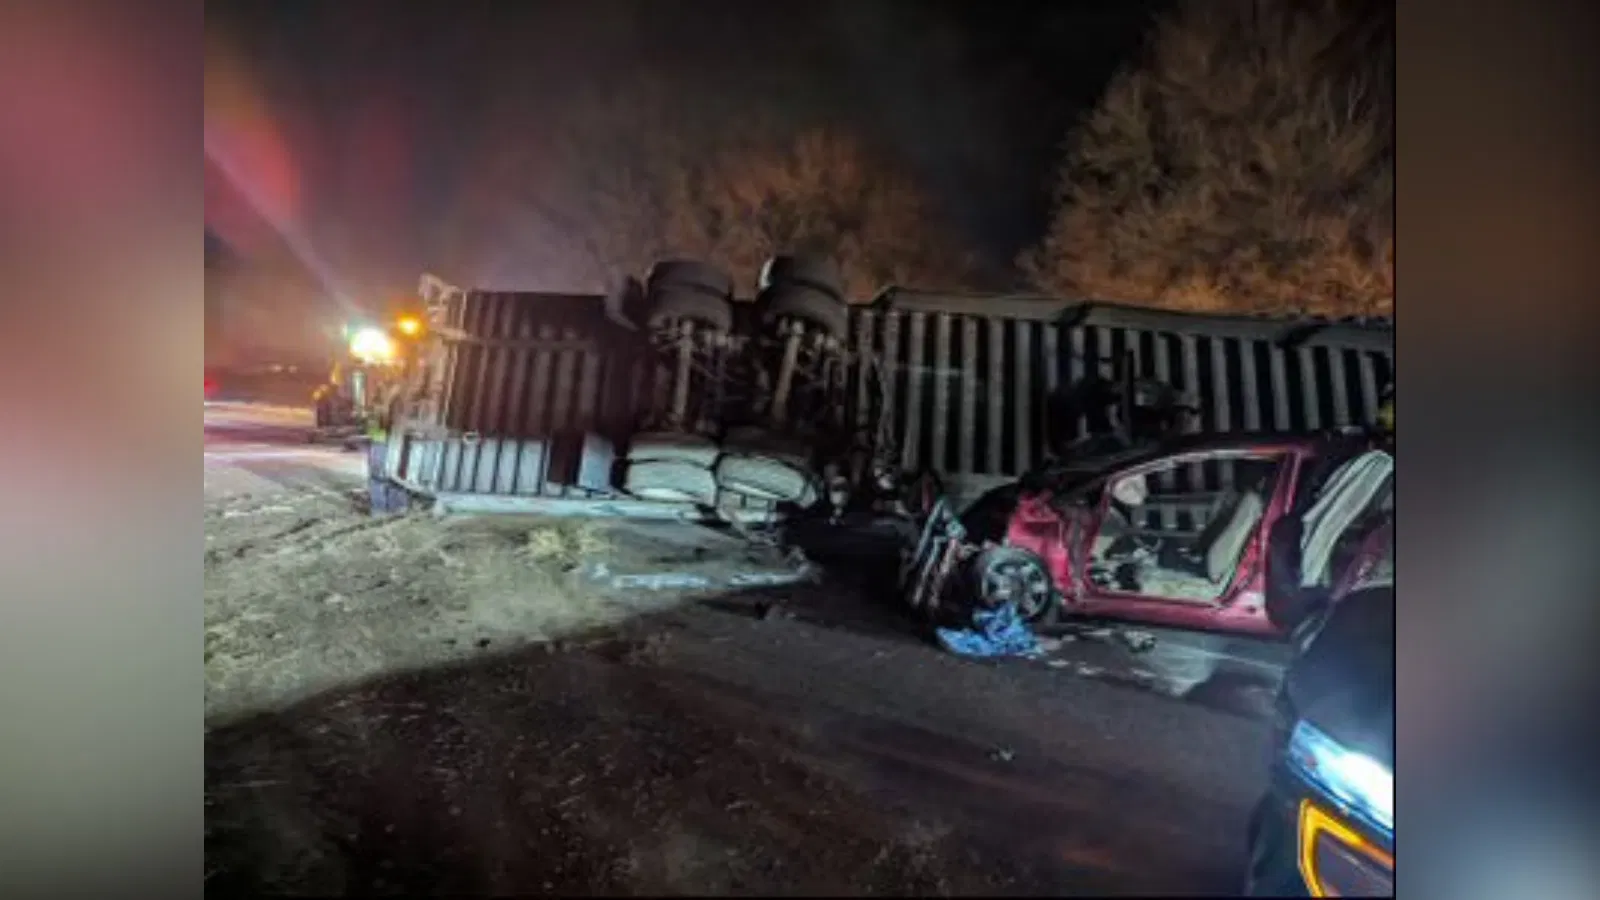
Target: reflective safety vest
<point x="379" y="417"/>
<point x="1385" y="415"/>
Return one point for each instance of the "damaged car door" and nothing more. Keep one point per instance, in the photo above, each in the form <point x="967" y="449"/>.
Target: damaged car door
<point x="1180" y="541"/>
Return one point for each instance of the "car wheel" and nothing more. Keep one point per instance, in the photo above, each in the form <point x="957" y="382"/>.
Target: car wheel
<point x="1013" y="575"/>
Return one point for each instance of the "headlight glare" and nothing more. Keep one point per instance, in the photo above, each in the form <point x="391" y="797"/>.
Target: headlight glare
<point x="372" y="345"/>
<point x="1357" y="781"/>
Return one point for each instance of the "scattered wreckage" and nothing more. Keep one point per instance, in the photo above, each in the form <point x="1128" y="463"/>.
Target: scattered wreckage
<point x="756" y="407"/>
<point x="737" y="412"/>
<point x="771" y="416"/>
<point x="1128" y="534"/>
<point x="1135" y="521"/>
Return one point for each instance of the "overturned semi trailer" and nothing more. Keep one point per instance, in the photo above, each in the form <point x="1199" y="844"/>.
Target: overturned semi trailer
<point x="591" y="405"/>
<point x="523" y="403"/>
<point x="531" y="400"/>
<point x="972" y="376"/>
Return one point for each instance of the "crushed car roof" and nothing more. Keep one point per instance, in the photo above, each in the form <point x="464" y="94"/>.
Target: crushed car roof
<point x="1197" y="442"/>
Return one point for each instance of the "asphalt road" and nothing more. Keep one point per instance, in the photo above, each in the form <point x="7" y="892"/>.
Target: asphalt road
<point x="785" y="742"/>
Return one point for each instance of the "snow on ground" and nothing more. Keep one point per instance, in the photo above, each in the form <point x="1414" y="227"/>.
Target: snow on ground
<point x="259" y="470"/>
<point x="229" y="412"/>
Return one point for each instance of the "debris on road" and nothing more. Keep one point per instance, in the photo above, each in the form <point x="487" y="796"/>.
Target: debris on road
<point x="708" y="571"/>
<point x="770" y="611"/>
<point x="305" y="593"/>
<point x="1052" y="644"/>
<point x="1136" y="641"/>
<point x="997" y="632"/>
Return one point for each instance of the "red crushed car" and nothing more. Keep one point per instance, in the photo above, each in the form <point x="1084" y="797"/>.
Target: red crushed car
<point x="1173" y="534"/>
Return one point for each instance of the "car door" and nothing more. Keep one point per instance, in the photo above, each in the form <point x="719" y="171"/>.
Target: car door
<point x="1180" y="540"/>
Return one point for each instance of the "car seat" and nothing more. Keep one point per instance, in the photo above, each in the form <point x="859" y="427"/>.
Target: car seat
<point x="1224" y="538"/>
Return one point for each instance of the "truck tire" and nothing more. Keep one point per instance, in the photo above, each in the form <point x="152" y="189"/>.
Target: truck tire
<point x="666" y="446"/>
<point x="670" y="480"/>
<point x="755" y="441"/>
<point x="677" y="305"/>
<point x="767" y="478"/>
<point x="816" y="272"/>
<point x="796" y="301"/>
<point x="691" y="276"/>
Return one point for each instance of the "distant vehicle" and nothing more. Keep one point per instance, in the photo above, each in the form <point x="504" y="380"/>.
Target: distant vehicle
<point x="1130" y="534"/>
<point x="280" y="382"/>
<point x="1326" y="825"/>
<point x="377" y="358"/>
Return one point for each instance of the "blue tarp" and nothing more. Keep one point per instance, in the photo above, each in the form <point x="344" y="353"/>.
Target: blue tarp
<point x="994" y="633"/>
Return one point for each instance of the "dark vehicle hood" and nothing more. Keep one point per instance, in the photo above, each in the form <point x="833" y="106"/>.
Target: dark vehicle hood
<point x="1344" y="681"/>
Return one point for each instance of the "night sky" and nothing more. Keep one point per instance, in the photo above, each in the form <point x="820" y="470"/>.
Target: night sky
<point x="347" y="134"/>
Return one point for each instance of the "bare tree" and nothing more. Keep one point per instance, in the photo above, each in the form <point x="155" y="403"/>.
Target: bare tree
<point x="822" y="192"/>
<point x="637" y="174"/>
<point x="606" y="178"/>
<point x="1247" y="166"/>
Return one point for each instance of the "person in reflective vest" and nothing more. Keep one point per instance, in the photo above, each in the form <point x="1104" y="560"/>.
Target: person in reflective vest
<point x="384" y="495"/>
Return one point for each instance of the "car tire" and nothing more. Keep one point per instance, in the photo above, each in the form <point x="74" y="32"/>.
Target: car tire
<point x="816" y="272"/>
<point x="825" y="313"/>
<point x="1002" y="573"/>
<point x="767" y="478"/>
<point x="671" y="481"/>
<point x="667" y="446"/>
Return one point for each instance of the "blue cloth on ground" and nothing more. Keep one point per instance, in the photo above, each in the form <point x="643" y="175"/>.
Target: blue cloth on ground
<point x="994" y="633"/>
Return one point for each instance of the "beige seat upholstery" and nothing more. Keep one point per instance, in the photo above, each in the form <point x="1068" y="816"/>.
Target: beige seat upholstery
<point x="1227" y="542"/>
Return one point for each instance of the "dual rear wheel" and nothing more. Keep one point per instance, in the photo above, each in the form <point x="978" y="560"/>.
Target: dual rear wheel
<point x="802" y="289"/>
